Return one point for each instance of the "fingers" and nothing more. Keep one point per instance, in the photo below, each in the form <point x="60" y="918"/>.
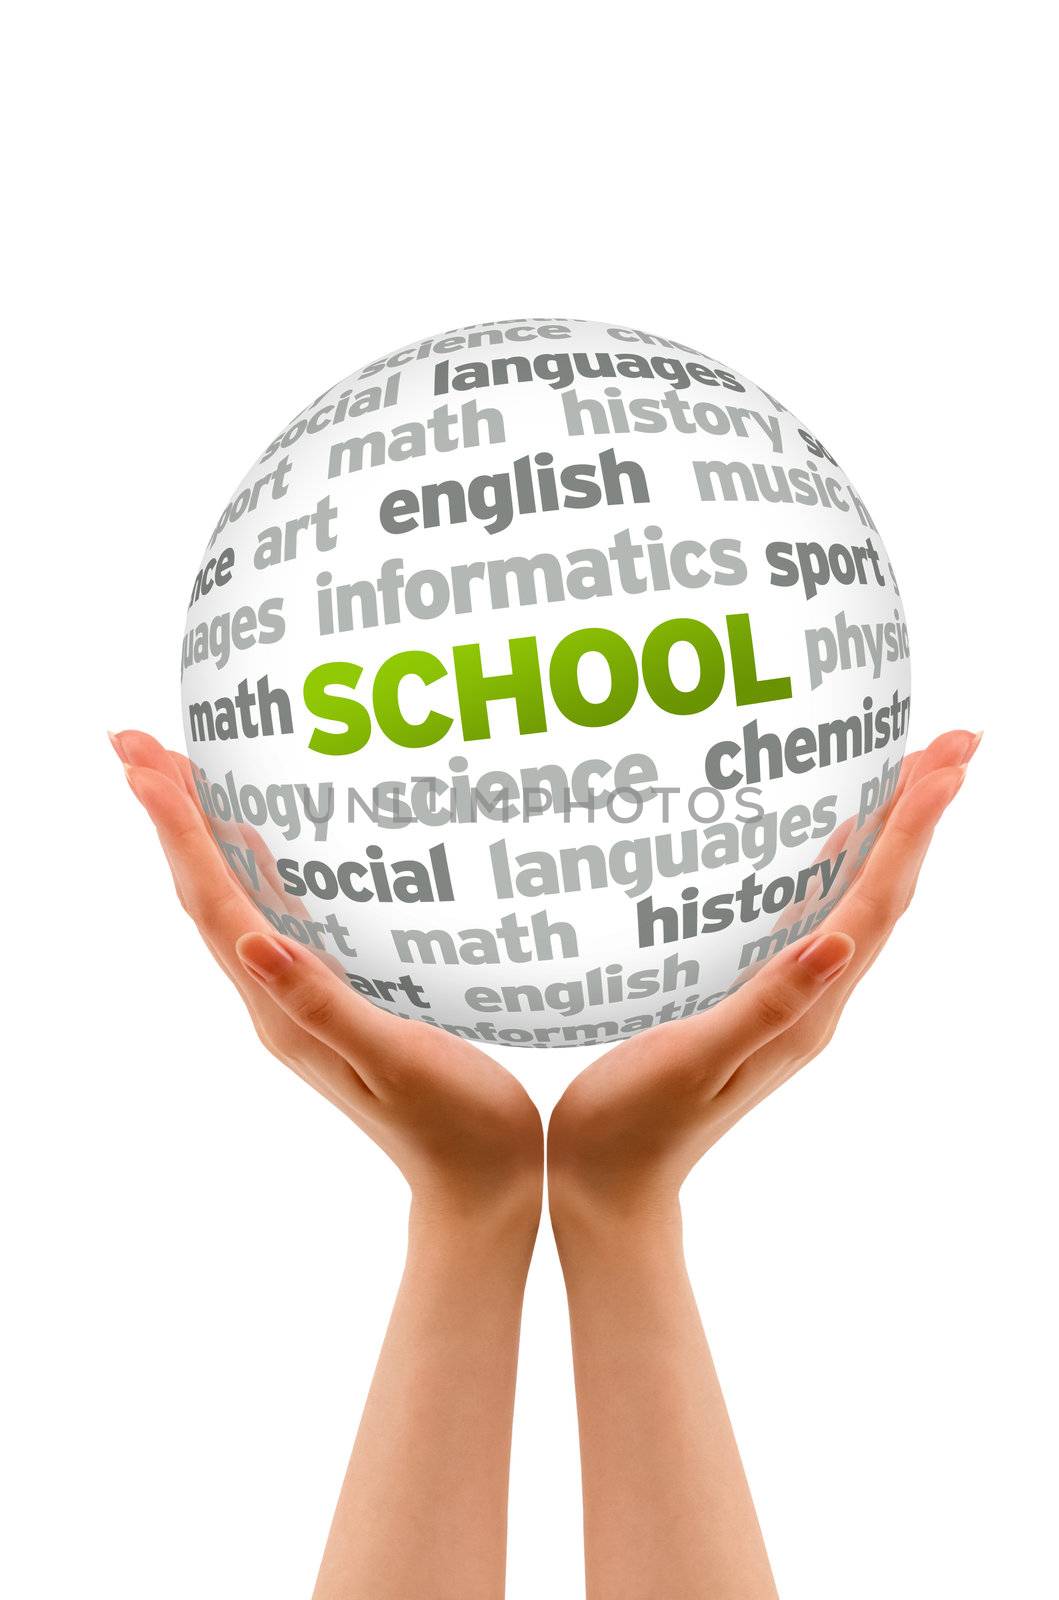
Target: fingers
<point x="187" y="773"/>
<point x="257" y="863"/>
<point x="268" y="872"/>
<point x="210" y="893"/>
<point x="867" y="915"/>
<point x="781" y="993"/>
<point x="952" y="749"/>
<point x="204" y="882"/>
<point x="205" y="886"/>
<point x="135" y="749"/>
<point x="844" y="846"/>
<point x="948" y="750"/>
<point x="833" y="852"/>
<point x="885" y="885"/>
<point x="879" y="896"/>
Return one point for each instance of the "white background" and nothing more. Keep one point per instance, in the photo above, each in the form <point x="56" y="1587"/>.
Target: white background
<point x="215" y="211"/>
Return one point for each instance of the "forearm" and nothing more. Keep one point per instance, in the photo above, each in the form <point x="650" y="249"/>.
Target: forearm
<point x="423" y="1509"/>
<point x="667" y="1508"/>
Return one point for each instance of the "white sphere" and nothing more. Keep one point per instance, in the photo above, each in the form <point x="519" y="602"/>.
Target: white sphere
<point x="560" y="671"/>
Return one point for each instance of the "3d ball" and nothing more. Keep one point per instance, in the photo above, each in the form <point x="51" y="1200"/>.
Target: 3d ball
<point x="548" y="676"/>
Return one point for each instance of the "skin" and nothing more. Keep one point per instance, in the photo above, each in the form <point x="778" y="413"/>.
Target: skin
<point x="422" y="1512"/>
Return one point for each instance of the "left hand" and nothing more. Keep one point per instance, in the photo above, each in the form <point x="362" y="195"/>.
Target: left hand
<point x="629" y="1129"/>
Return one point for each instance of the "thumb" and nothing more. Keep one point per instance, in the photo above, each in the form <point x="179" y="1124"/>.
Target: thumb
<point x="782" y="992"/>
<point x="312" y="995"/>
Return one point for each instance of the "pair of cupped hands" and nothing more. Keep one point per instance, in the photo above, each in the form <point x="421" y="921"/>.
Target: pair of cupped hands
<point x="628" y="1130"/>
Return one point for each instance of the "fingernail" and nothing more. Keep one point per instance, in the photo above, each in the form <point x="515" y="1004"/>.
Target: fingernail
<point x="955" y="784"/>
<point x="826" y="956"/>
<point x="132" y="777"/>
<point x="115" y="739"/>
<point x="266" y="958"/>
<point x="975" y="742"/>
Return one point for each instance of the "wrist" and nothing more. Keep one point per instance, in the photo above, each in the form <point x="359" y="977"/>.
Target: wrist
<point x="617" y="1220"/>
<point x="500" y="1218"/>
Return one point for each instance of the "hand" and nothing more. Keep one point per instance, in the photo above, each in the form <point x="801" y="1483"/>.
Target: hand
<point x="629" y="1129"/>
<point x="462" y="1130"/>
